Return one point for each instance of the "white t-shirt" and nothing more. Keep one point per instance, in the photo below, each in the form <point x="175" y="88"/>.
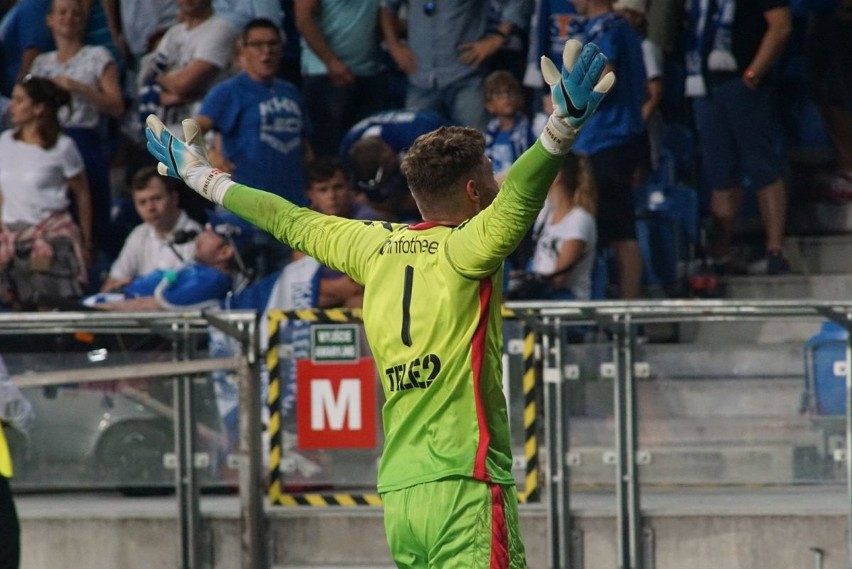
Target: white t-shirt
<point x="211" y="41"/>
<point x="295" y="288"/>
<point x="87" y="66"/>
<point x="578" y="224"/>
<point x="34" y="180"/>
<point x="144" y="251"/>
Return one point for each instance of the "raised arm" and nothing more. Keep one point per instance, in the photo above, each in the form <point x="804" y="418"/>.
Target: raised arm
<point x="478" y="248"/>
<point x="342" y="244"/>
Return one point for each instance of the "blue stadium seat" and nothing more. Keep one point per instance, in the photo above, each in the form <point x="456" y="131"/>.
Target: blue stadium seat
<point x="678" y="142"/>
<point x="667" y="232"/>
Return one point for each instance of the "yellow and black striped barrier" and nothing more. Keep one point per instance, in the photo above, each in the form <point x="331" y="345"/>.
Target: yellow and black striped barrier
<point x="275" y="490"/>
<point x="531" y="491"/>
<point x="330" y="500"/>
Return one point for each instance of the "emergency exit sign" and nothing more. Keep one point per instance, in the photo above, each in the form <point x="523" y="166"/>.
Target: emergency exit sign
<point x="335" y="343"/>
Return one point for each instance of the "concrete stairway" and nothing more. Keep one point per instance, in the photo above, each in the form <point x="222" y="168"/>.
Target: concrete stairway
<point x="723" y="404"/>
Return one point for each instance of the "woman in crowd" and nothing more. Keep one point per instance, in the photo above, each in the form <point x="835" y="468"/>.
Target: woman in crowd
<point x="566" y="234"/>
<point x="90" y="75"/>
<point x="43" y="252"/>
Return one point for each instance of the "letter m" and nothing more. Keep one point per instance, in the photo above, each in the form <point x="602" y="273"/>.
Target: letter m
<point x="346" y="404"/>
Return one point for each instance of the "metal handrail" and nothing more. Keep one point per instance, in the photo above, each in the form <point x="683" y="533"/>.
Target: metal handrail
<point x="622" y="318"/>
<point x="179" y="328"/>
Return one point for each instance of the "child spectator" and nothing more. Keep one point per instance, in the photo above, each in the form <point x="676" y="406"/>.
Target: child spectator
<point x="329" y="192"/>
<point x="382" y="188"/>
<point x="508" y="133"/>
<point x="371" y="152"/>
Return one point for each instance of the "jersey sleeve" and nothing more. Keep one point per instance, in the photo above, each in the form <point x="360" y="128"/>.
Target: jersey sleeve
<point x="345" y="245"/>
<point x="477" y="248"/>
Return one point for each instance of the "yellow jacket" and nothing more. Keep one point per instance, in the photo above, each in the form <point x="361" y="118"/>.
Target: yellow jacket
<point x="5" y="456"/>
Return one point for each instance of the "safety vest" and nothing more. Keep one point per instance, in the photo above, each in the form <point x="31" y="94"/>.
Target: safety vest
<point x="5" y="456"/>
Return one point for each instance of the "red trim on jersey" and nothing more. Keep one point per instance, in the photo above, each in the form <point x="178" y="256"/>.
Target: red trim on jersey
<point x="477" y="355"/>
<point x="499" y="530"/>
<point x="428" y="225"/>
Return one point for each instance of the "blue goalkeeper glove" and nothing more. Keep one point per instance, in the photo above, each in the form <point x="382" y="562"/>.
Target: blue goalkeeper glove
<point x="188" y="160"/>
<point x="576" y="92"/>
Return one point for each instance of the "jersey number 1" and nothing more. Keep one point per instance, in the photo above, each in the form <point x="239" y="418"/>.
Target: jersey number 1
<point x="406" y="305"/>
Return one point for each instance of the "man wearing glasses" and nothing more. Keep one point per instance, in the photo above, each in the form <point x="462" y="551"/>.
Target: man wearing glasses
<point x="262" y="126"/>
<point x="259" y="118"/>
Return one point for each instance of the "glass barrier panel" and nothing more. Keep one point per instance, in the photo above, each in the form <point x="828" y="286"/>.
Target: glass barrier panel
<point x="113" y="434"/>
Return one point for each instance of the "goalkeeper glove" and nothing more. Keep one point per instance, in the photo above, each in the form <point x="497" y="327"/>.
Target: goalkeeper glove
<point x="188" y="160"/>
<point x="576" y="92"/>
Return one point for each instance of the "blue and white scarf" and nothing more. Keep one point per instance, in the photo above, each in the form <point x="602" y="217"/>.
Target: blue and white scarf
<point x="521" y="137"/>
<point x="716" y="28"/>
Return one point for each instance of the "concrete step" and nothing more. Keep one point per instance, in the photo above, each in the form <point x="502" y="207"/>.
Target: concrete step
<point x="679" y="432"/>
<point x="705" y="464"/>
<point x="821" y="217"/>
<point x="699" y="360"/>
<point x="823" y="254"/>
<point x="716" y="398"/>
<point x="697" y="527"/>
<point x="718" y="359"/>
<point x="752" y="332"/>
<point x="794" y="286"/>
<point x="721" y="398"/>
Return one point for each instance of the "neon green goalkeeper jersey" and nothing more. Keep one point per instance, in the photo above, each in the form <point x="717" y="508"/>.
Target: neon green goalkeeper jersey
<point x="432" y="317"/>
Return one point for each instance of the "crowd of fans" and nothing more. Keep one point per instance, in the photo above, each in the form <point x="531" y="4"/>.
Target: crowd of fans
<point x="316" y="100"/>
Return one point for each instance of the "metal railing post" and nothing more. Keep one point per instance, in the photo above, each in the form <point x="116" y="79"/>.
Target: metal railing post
<point x="550" y="438"/>
<point x="185" y="479"/>
<point x="848" y="457"/>
<point x="560" y="526"/>
<point x="253" y="529"/>
<point x="626" y="431"/>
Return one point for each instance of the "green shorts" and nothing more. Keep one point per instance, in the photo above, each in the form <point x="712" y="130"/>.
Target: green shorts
<point x="454" y="523"/>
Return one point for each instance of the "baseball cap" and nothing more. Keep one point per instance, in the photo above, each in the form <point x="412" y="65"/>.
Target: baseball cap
<point x="635" y="5"/>
<point x="236" y="230"/>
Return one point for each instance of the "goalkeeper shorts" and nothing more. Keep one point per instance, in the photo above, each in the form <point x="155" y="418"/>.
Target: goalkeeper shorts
<point x="454" y="523"/>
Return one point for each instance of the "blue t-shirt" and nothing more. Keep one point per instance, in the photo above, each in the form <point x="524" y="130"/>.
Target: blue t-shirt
<point x="193" y="284"/>
<point x="555" y="21"/>
<point x="618" y="119"/>
<point x="503" y="147"/>
<point x="262" y="127"/>
<point x="398" y="129"/>
<point x="22" y="28"/>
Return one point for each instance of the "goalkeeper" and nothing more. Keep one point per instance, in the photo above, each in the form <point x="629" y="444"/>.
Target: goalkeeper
<point x="432" y="313"/>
